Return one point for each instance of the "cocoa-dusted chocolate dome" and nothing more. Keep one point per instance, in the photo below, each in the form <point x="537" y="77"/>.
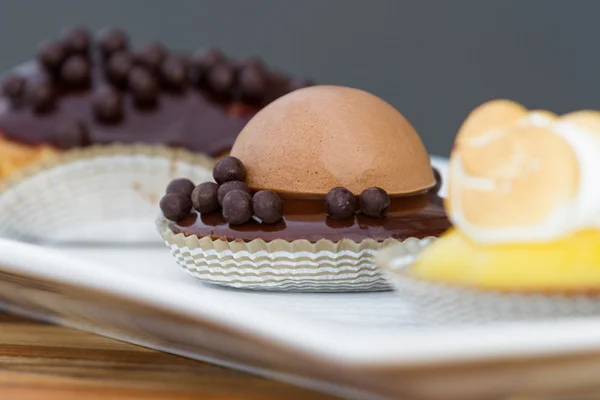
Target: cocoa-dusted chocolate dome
<point x="317" y="138"/>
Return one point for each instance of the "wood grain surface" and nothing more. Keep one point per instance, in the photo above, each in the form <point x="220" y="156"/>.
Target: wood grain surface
<point x="41" y="361"/>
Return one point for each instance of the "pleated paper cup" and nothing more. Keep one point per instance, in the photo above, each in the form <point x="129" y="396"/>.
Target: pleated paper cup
<point x="279" y="265"/>
<point x="440" y="304"/>
<point x="97" y="194"/>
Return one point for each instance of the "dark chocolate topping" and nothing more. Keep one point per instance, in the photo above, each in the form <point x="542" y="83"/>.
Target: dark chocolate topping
<point x="182" y="186"/>
<point x="229" y="169"/>
<point x="204" y="197"/>
<point x="415" y="216"/>
<point x="267" y="206"/>
<point x="374" y="202"/>
<point x="340" y="203"/>
<point x="237" y="207"/>
<point x="77" y="40"/>
<point x="175" y="206"/>
<point x="438" y="181"/>
<point x="229" y="186"/>
<point x="203" y="118"/>
<point x="71" y="134"/>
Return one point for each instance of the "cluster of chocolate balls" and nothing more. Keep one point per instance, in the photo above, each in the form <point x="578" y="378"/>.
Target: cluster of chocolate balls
<point x="112" y="71"/>
<point x="230" y="195"/>
<point x="372" y="202"/>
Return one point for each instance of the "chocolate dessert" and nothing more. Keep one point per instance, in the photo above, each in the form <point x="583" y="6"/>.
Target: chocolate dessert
<point x="319" y="179"/>
<point x="84" y="91"/>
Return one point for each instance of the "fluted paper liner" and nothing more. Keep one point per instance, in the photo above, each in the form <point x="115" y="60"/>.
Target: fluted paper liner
<point x="437" y="303"/>
<point x="297" y="265"/>
<point x="101" y="193"/>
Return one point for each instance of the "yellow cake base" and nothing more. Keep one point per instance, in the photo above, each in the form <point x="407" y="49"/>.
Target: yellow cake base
<point x="571" y="264"/>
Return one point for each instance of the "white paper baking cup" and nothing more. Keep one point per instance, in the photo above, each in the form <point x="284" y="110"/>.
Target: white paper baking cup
<point x="440" y="304"/>
<point x="279" y="265"/>
<point x="96" y="194"/>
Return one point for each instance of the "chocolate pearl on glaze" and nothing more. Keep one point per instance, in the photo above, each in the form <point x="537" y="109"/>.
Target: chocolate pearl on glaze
<point x="182" y="186"/>
<point x="252" y="82"/>
<point x="75" y="71"/>
<point x="237" y="207"/>
<point x="229" y="169"/>
<point x="111" y="40"/>
<point x="374" y="202"/>
<point x="118" y="67"/>
<point x="13" y="87"/>
<point x="340" y="203"/>
<point x="201" y="62"/>
<point x="221" y="78"/>
<point x="438" y="181"/>
<point x="175" y="206"/>
<point x="107" y="104"/>
<point x="143" y="87"/>
<point x="51" y="55"/>
<point x="69" y="134"/>
<point x="152" y="55"/>
<point x="174" y="73"/>
<point x="41" y="96"/>
<point x="77" y="40"/>
<point x="204" y="198"/>
<point x="229" y="186"/>
<point x="267" y="206"/>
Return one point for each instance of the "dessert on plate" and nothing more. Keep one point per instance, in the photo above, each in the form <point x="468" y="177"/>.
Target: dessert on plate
<point x="525" y="208"/>
<point x="92" y="116"/>
<point x="83" y="91"/>
<point x="316" y="183"/>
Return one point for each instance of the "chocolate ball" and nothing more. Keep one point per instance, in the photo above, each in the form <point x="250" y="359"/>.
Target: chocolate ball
<point x="202" y="61"/>
<point x="267" y="206"/>
<point x="229" y="186"/>
<point x="107" y="104"/>
<point x="220" y="78"/>
<point x="77" y="40"/>
<point x="374" y="202"/>
<point x="229" y="169"/>
<point x="340" y="203"/>
<point x="69" y="134"/>
<point x="13" y="87"/>
<point x="237" y="207"/>
<point x="152" y="55"/>
<point x="182" y="186"/>
<point x="175" y="206"/>
<point x="252" y="81"/>
<point x="174" y="73"/>
<point x="52" y="54"/>
<point x="111" y="40"/>
<point x="118" y="67"/>
<point x="75" y="71"/>
<point x="204" y="197"/>
<point x="41" y="96"/>
<point x="143" y="86"/>
<point x="438" y="181"/>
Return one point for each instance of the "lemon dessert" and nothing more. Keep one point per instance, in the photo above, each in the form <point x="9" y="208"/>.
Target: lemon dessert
<point x="524" y="199"/>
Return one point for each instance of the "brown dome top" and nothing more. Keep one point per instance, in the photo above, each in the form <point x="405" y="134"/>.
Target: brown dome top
<point x="314" y="139"/>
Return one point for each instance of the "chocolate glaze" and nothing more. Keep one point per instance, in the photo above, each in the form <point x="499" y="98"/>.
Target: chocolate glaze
<point x="415" y="216"/>
<point x="192" y="119"/>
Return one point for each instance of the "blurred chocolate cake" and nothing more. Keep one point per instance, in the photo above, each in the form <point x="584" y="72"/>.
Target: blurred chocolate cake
<point x="83" y="90"/>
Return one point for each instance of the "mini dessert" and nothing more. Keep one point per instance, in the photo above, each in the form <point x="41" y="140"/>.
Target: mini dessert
<point x="524" y="202"/>
<point x="94" y="117"/>
<point x="82" y="92"/>
<point x="316" y="183"/>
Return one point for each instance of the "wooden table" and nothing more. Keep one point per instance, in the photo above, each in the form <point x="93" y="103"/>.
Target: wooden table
<point x="40" y="361"/>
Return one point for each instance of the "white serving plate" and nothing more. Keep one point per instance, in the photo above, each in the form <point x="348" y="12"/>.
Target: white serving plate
<point x="356" y="345"/>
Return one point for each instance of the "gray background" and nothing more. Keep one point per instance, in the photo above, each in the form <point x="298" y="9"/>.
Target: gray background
<point x="433" y="59"/>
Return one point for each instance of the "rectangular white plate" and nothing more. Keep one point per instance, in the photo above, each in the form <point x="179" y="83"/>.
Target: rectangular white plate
<point x="361" y="345"/>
